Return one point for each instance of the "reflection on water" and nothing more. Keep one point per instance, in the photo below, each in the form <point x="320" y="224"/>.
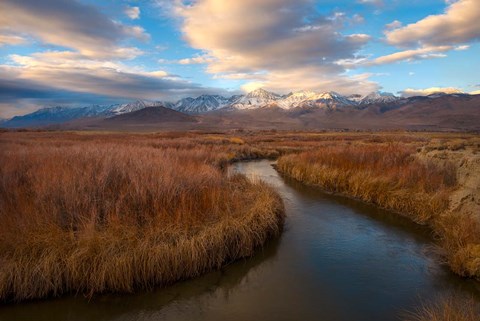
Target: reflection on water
<point x="338" y="259"/>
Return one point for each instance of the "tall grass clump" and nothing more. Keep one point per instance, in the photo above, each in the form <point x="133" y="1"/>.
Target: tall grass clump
<point x="448" y="308"/>
<point x="390" y="176"/>
<point x="89" y="217"/>
<point x="386" y="175"/>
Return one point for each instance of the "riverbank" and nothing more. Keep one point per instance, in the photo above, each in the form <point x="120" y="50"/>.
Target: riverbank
<point x="89" y="215"/>
<point x="449" y="308"/>
<point x="435" y="184"/>
<point x="337" y="258"/>
<point x="115" y="212"/>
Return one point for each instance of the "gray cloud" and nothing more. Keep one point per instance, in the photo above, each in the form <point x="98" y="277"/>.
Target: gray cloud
<point x="23" y="88"/>
<point x="68" y="23"/>
<point x="90" y="71"/>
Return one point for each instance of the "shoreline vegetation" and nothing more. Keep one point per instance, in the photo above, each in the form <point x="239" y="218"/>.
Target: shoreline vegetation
<point x="101" y="212"/>
<point x="402" y="178"/>
<point x="447" y="308"/>
<point x="91" y="216"/>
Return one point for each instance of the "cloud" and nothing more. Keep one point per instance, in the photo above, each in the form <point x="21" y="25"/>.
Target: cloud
<point x="460" y="23"/>
<point x="414" y="54"/>
<point x="317" y="79"/>
<point x="393" y="25"/>
<point x="7" y="39"/>
<point x="371" y="2"/>
<point x="68" y="23"/>
<point x="251" y="86"/>
<point x="428" y="91"/>
<point x="281" y="37"/>
<point x="21" y="96"/>
<point x="132" y="12"/>
<point x="67" y="77"/>
<point x="201" y="59"/>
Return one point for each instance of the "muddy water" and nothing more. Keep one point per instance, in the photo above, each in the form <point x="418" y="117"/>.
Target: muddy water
<point x="337" y="259"/>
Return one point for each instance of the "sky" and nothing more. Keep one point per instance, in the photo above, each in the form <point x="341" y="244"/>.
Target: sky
<point x="85" y="52"/>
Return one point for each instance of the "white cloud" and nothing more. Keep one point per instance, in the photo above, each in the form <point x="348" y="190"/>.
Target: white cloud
<point x="409" y="92"/>
<point x="371" y="2"/>
<point x="285" y="43"/>
<point x="251" y="86"/>
<point x="410" y="55"/>
<point x="7" y="39"/>
<point x="393" y="25"/>
<point x="458" y="25"/>
<point x="132" y="12"/>
<point x="203" y="59"/>
<point x="357" y="19"/>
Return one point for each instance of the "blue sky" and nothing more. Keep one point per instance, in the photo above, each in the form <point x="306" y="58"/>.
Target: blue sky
<point x="83" y="52"/>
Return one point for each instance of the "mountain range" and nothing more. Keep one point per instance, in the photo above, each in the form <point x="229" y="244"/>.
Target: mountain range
<point x="207" y="107"/>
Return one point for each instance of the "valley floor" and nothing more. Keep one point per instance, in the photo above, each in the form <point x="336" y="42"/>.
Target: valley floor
<point x="90" y="212"/>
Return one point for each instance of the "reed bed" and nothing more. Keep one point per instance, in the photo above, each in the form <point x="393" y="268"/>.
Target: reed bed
<point x="91" y="216"/>
<point x="450" y="308"/>
<point x="386" y="175"/>
<point x="90" y="212"/>
<point x="390" y="175"/>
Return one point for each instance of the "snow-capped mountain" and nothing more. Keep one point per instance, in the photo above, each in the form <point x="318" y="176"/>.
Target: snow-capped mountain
<point x="201" y="104"/>
<point x="255" y="99"/>
<point x="307" y="98"/>
<point x="136" y="105"/>
<point x="61" y="114"/>
<point x="356" y="98"/>
<point x="378" y="97"/>
<point x="55" y="115"/>
<point x="293" y="99"/>
<point x="329" y="100"/>
<point x="258" y="98"/>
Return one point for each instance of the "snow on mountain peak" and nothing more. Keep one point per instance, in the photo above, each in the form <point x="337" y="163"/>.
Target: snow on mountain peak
<point x="258" y="98"/>
<point x="255" y="99"/>
<point x="263" y="94"/>
<point x="379" y="97"/>
<point x="201" y="104"/>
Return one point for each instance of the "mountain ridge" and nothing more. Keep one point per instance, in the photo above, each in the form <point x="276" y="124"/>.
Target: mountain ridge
<point x="204" y="104"/>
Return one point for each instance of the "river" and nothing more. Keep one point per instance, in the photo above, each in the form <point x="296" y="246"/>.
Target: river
<point x="337" y="259"/>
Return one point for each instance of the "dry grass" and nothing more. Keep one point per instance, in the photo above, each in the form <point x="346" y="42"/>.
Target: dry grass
<point x="93" y="212"/>
<point x="460" y="239"/>
<point x="386" y="175"/>
<point x="88" y="216"/>
<point x="391" y="176"/>
<point x="447" y="309"/>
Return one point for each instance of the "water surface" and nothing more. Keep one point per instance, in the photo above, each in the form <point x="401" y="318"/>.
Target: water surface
<point x="338" y="259"/>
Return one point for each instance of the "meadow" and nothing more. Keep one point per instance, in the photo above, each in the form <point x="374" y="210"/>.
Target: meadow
<point x="95" y="212"/>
